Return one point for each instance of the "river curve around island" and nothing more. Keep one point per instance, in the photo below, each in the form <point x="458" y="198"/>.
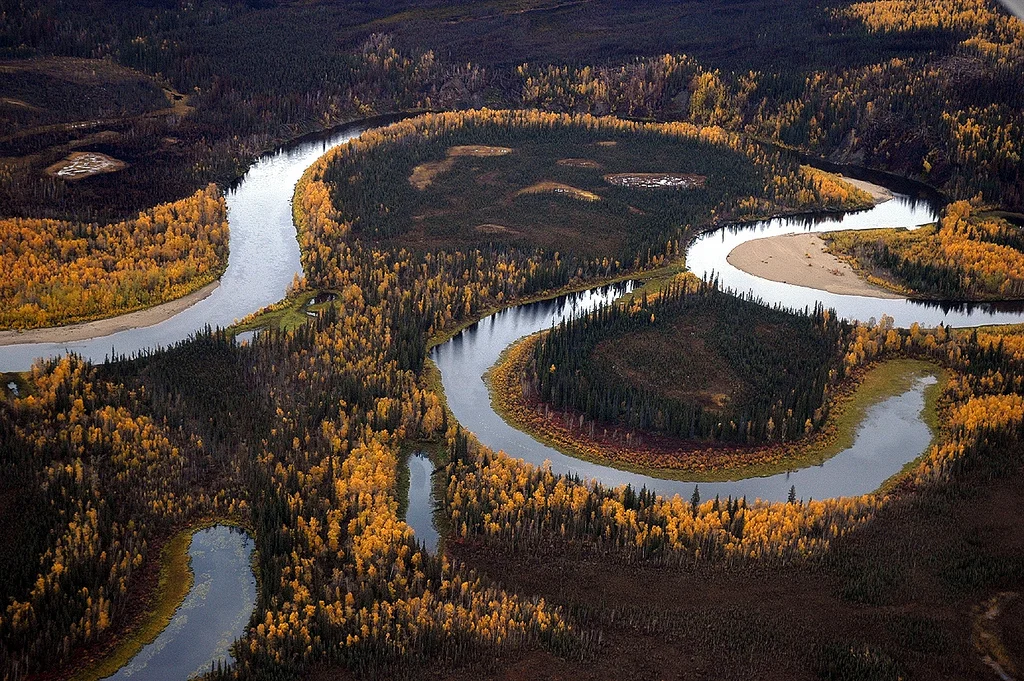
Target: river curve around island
<point x="892" y="433"/>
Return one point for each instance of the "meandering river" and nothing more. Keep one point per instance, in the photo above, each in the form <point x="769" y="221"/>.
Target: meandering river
<point x="892" y="432"/>
<point x="709" y="253"/>
<point x="263" y="259"/>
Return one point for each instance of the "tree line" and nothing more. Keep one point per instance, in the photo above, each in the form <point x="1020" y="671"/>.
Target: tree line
<point x="967" y="256"/>
<point x="60" y="272"/>
<point x="787" y="362"/>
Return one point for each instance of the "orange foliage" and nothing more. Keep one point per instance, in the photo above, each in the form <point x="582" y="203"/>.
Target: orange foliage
<point x="59" y="272"/>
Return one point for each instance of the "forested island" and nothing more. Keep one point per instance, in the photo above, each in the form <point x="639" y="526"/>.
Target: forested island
<point x="550" y="166"/>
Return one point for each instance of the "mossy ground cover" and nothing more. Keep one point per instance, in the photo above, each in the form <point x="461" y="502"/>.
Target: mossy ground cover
<point x="425" y="194"/>
<point x="679" y="359"/>
<point x="175" y="582"/>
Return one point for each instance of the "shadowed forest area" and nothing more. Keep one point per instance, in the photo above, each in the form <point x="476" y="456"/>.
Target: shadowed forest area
<point x="551" y="147"/>
<point x="818" y="76"/>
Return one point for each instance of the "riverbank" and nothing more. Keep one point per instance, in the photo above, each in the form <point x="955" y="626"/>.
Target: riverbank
<point x="155" y="616"/>
<point x="176" y="580"/>
<point x="802" y="260"/>
<point x="879" y="193"/>
<point x="104" y="327"/>
<point x="700" y="462"/>
<point x="272" y="170"/>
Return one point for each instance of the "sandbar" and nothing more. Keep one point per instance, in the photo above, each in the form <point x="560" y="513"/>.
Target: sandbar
<point x="801" y="259"/>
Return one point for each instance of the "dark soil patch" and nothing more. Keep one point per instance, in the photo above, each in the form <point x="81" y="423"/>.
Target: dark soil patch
<point x="676" y="361"/>
<point x="698" y="621"/>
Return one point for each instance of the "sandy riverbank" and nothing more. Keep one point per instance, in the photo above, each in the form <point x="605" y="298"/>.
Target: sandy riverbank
<point x="879" y="193"/>
<point x="801" y="259"/>
<point x="105" y="327"/>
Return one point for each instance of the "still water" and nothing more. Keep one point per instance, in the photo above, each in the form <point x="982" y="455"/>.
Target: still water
<point x="213" y="615"/>
<point x="420" y="514"/>
<point x="891" y="434"/>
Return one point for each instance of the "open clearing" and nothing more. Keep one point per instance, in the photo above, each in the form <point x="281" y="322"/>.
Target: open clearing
<point x="655" y="180"/>
<point x="491" y="228"/>
<point x="82" y="164"/>
<point x="423" y="175"/>
<point x="704" y="377"/>
<point x="801" y="259"/>
<point x="559" y="188"/>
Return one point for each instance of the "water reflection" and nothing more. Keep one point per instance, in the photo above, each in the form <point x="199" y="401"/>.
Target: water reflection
<point x="263" y="258"/>
<point x="893" y="432"/>
<point x="707" y="257"/>
<point x="420" y="514"/>
<point x="214" y="614"/>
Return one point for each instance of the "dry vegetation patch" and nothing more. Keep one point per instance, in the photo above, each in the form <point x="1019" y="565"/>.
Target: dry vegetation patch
<point x="549" y="187"/>
<point x="423" y="175"/>
<point x="655" y="180"/>
<point x="578" y="163"/>
<point x="82" y="164"/>
<point x="9" y="101"/>
<point x="491" y="228"/>
<point x="478" y="150"/>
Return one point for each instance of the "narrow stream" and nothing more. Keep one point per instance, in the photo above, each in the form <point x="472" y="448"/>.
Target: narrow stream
<point x="213" y="615"/>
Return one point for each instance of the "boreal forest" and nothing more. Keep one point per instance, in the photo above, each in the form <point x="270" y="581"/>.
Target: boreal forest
<point x="511" y="339"/>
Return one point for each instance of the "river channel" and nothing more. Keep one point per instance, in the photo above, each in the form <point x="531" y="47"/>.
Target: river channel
<point x="213" y="615"/>
<point x="891" y="434"/>
<point x="263" y="259"/>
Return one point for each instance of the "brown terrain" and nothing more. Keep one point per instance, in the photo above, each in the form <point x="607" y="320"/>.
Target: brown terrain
<point x="803" y="260"/>
<point x="699" y="621"/>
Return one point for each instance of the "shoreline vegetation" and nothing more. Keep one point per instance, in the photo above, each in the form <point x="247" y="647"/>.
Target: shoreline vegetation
<point x="175" y="582"/>
<point x="299" y="434"/>
<point x="61" y="272"/>
<point x="970" y="255"/>
<point x="149" y="316"/>
<point x="176" y="579"/>
<point x="867" y="386"/>
<point x="99" y="328"/>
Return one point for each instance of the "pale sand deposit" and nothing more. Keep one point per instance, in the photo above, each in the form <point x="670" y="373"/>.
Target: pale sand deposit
<point x="105" y="327"/>
<point x="801" y="259"/>
<point x="878" y="193"/>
